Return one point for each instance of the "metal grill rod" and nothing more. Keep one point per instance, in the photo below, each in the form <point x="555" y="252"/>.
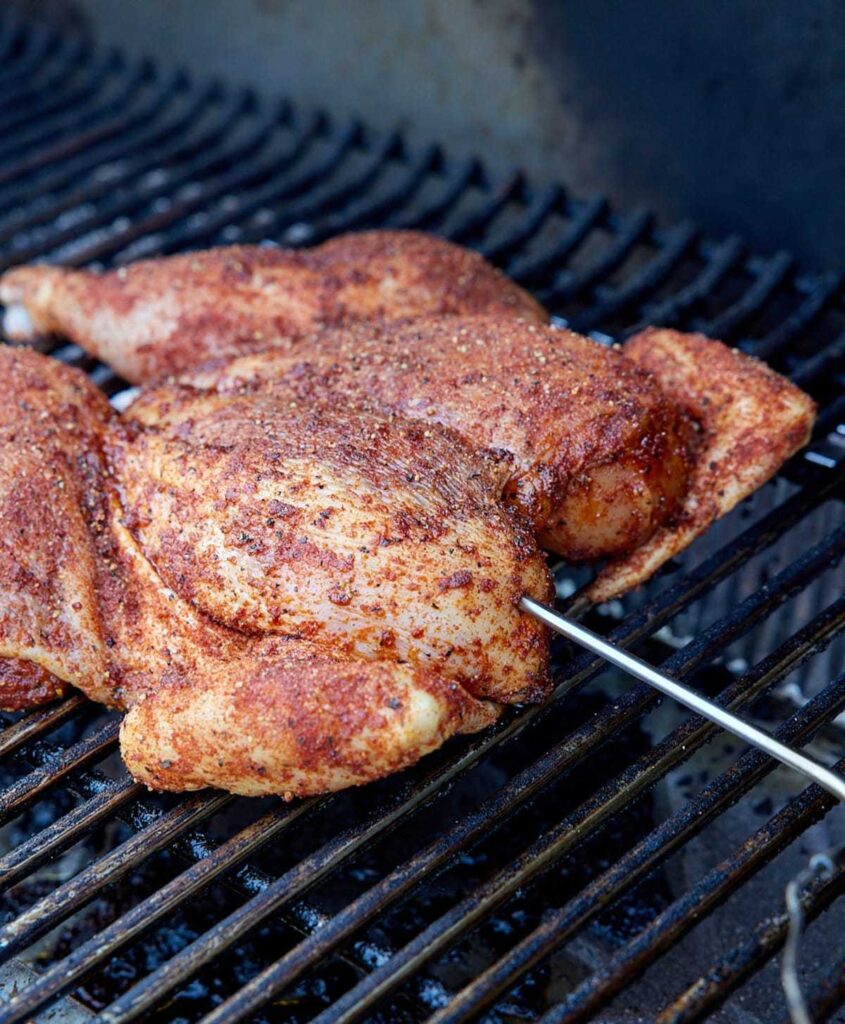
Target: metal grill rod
<point x="814" y="770"/>
<point x="710" y="990"/>
<point x="576" y="826"/>
<point x="561" y="925"/>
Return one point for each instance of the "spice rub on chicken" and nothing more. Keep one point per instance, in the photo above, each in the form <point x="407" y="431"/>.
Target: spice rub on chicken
<point x="621" y="454"/>
<point x="158" y="317"/>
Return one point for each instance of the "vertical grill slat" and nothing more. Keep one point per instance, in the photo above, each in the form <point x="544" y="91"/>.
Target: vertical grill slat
<point x="368" y="212"/>
<point x="584" y="218"/>
<point x="102" y="161"/>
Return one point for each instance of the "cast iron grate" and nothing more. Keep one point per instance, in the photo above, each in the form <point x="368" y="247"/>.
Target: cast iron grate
<point x="408" y="900"/>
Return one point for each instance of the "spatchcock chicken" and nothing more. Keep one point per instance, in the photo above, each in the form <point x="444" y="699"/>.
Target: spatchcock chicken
<point x="297" y="564"/>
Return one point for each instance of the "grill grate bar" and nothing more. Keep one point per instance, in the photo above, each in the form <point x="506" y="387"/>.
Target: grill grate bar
<point x="820" y="364"/>
<point x="38" y="722"/>
<point x="823" y="292"/>
<point x="59" y="904"/>
<point x="548" y="201"/>
<point x="275" y="189"/>
<point x="200" y="150"/>
<point x="570" y="283"/>
<point x="719" y="262"/>
<point x="334" y="195"/>
<point x="710" y="990"/>
<point x="368" y="211"/>
<point x="85" y="958"/>
<point x="13" y="193"/>
<point x="282" y="890"/>
<point x="45" y="52"/>
<point x="611" y="301"/>
<point x="102" y="122"/>
<point x="81" y="153"/>
<point x="14" y="798"/>
<point x="38" y="130"/>
<point x="463" y="178"/>
<point x="71" y="827"/>
<point x="768" y="276"/>
<point x="473" y="225"/>
<point x="238" y="168"/>
<point x="570" y="831"/>
<point x="585" y="217"/>
<point x="667" y="927"/>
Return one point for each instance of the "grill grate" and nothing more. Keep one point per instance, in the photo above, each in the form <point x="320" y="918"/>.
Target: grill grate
<point x="408" y="898"/>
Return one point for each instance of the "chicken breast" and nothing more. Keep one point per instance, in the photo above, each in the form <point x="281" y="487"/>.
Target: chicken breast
<point x="378" y="536"/>
<point x="590" y="450"/>
<point x="222" y="575"/>
<point x="159" y="317"/>
<point x="626" y="455"/>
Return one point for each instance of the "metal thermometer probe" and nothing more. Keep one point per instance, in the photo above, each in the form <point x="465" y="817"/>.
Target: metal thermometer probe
<point x="708" y="709"/>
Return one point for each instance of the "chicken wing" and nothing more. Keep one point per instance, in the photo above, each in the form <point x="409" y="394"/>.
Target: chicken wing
<point x="282" y="604"/>
<point x="749" y="421"/>
<point x="159" y="317"/>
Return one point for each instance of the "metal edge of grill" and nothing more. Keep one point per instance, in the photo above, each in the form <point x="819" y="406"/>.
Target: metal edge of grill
<point x="102" y="161"/>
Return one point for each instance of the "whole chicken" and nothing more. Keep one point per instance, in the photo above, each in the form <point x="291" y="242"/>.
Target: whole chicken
<point x="283" y="603"/>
